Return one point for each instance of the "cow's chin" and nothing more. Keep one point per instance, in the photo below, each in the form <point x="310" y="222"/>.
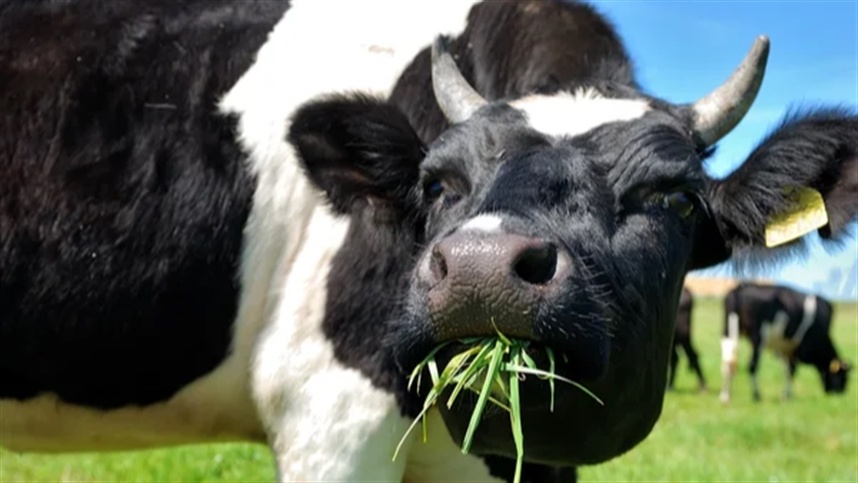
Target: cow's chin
<point x="579" y="430"/>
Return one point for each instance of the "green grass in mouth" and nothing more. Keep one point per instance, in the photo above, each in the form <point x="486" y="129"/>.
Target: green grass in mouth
<point x="491" y="367"/>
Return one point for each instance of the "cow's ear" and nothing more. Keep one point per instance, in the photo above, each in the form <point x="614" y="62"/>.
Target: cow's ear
<point x="361" y="151"/>
<point x="802" y="177"/>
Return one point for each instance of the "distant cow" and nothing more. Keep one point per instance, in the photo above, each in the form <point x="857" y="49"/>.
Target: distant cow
<point x="682" y="338"/>
<point x="794" y="326"/>
<point x="248" y="220"/>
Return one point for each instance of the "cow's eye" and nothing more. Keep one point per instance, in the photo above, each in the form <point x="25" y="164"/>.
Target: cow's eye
<point x="433" y="189"/>
<point x="680" y="202"/>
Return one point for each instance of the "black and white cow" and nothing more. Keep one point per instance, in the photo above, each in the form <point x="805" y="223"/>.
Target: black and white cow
<point x="569" y="216"/>
<point x="682" y="338"/>
<point x="190" y="253"/>
<point x="795" y="326"/>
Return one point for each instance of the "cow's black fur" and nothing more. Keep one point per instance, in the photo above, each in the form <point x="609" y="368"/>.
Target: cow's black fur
<point x="123" y="196"/>
<point x="682" y="338"/>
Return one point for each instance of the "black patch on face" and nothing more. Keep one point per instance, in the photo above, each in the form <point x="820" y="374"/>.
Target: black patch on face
<point x="124" y="195"/>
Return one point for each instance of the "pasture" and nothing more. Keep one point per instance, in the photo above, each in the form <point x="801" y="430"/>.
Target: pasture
<point x="810" y="438"/>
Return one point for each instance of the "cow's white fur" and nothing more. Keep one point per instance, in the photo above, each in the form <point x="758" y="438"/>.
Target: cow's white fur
<point x="483" y="223"/>
<point x="324" y="421"/>
<point x="566" y="115"/>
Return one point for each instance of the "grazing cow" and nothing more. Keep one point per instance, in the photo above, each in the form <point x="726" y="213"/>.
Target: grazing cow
<point x="682" y="338"/>
<point x="187" y="256"/>
<point x="569" y="217"/>
<point x="795" y="326"/>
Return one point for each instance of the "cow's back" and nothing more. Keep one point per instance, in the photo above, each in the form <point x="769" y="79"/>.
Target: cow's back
<point x="123" y="195"/>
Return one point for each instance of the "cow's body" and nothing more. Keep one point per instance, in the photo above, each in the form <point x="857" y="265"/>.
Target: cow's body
<point x="794" y="326"/>
<point x="682" y="338"/>
<point x="187" y="256"/>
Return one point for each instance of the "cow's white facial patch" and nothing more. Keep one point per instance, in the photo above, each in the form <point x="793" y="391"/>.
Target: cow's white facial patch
<point x="484" y="223"/>
<point x="567" y="114"/>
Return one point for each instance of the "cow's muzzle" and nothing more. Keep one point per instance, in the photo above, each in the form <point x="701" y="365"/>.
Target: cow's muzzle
<point x="477" y="283"/>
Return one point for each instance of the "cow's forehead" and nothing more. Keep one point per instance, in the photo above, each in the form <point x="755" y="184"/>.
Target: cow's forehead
<point x="613" y="132"/>
<point x="571" y="114"/>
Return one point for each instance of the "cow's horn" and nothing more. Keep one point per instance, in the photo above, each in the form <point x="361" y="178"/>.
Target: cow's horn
<point x="721" y="110"/>
<point x="457" y="99"/>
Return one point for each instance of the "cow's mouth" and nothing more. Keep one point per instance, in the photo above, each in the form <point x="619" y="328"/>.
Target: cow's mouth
<point x="492" y="382"/>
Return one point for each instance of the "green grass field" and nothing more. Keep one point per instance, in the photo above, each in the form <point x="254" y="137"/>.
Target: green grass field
<point x="813" y="437"/>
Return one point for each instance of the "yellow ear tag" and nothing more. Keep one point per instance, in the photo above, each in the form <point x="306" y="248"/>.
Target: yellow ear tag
<point x="807" y="213"/>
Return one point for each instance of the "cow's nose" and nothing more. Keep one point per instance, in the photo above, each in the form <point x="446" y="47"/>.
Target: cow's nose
<point x="478" y="282"/>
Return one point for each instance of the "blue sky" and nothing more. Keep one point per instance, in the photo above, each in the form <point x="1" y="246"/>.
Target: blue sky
<point x="682" y="50"/>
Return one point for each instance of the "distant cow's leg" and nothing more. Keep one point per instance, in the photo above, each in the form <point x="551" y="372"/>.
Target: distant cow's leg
<point x="729" y="349"/>
<point x="789" y="373"/>
<point x="674" y="362"/>
<point x="693" y="362"/>
<point x="755" y="361"/>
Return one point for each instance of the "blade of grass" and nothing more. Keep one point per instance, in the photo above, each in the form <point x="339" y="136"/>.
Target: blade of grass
<point x="515" y="416"/>
<point x="528" y="361"/>
<point x="550" y="354"/>
<point x="419" y="368"/>
<point x="494" y="366"/>
<point x="539" y="372"/>
<point x="433" y="372"/>
<point x="500" y="335"/>
<point x="492" y="399"/>
<point x="457" y="365"/>
<point x="430" y="400"/>
<point x="469" y="375"/>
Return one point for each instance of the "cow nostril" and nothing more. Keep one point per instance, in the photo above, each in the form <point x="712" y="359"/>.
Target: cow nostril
<point x="438" y="265"/>
<point x="537" y="265"/>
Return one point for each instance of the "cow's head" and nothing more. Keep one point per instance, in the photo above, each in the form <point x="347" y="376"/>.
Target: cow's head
<point x="571" y="220"/>
<point x="834" y="379"/>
